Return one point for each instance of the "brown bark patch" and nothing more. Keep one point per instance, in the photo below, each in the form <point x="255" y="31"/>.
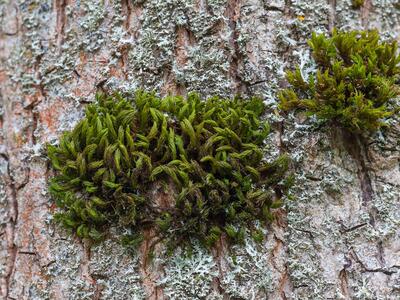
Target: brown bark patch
<point x="149" y="272"/>
<point x="232" y="13"/>
<point x="60" y="6"/>
<point x="344" y="283"/>
<point x="365" y="11"/>
<point x="219" y="252"/>
<point x="151" y="248"/>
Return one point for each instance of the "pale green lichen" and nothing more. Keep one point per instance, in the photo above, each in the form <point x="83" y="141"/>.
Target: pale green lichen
<point x="154" y="55"/>
<point x="189" y="277"/>
<point x="117" y="273"/>
<point x="67" y="265"/>
<point x="246" y="276"/>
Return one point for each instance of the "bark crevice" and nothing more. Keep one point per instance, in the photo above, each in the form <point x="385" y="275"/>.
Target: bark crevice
<point x="60" y="7"/>
<point x="12" y="249"/>
<point x="151" y="270"/>
<point x="219" y="251"/>
<point x="233" y="12"/>
<point x="344" y="283"/>
<point x="127" y="12"/>
<point x="85" y="270"/>
<point x="332" y="14"/>
<point x="356" y="147"/>
<point x="149" y="273"/>
<point x="365" y="11"/>
<point x="386" y="271"/>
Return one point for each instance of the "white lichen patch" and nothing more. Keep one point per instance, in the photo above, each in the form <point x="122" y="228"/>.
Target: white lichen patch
<point x="189" y="277"/>
<point x="249" y="273"/>
<point x="116" y="272"/>
<point x="65" y="271"/>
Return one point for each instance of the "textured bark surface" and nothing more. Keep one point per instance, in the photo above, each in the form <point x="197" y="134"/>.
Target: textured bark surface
<point x="339" y="238"/>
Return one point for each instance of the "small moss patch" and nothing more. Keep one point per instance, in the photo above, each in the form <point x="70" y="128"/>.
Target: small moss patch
<point x="357" y="75"/>
<point x="357" y="3"/>
<point x="210" y="150"/>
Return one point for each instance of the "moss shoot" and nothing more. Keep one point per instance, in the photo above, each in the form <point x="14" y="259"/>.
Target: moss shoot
<point x="356" y="4"/>
<point x="357" y="75"/>
<point x="210" y="151"/>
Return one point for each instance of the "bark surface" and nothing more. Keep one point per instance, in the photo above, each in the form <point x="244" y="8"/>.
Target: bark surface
<point x="339" y="238"/>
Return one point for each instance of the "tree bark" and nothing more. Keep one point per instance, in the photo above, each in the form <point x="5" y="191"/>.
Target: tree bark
<point x="338" y="238"/>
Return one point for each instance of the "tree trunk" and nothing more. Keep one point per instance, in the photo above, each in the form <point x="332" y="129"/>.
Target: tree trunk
<point x="338" y="238"/>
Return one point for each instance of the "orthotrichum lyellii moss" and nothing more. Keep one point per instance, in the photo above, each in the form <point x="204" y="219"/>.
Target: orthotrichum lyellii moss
<point x="210" y="150"/>
<point x="355" y="81"/>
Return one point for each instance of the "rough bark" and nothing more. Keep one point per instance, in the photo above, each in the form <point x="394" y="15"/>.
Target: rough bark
<point x="339" y="238"/>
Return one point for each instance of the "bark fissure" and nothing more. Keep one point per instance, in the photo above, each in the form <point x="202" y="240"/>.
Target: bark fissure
<point x="150" y="270"/>
<point x="85" y="270"/>
<point x="60" y="6"/>
<point x="344" y="283"/>
<point x="35" y="121"/>
<point x="127" y="11"/>
<point x="281" y="144"/>
<point x="150" y="276"/>
<point x="305" y="231"/>
<point x="268" y="7"/>
<point x="184" y="39"/>
<point x="12" y="249"/>
<point x="383" y="270"/>
<point x="233" y="12"/>
<point x="332" y="14"/>
<point x="219" y="251"/>
<point x="356" y="147"/>
<point x="38" y="98"/>
<point x="365" y="11"/>
<point x="275" y="255"/>
<point x="284" y="280"/>
<point x="349" y="229"/>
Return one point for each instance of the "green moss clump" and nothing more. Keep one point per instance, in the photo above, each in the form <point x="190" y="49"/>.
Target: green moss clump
<point x="357" y="3"/>
<point x="211" y="151"/>
<point x="356" y="77"/>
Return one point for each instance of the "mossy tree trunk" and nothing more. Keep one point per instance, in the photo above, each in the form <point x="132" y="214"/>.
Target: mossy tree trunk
<point x="339" y="239"/>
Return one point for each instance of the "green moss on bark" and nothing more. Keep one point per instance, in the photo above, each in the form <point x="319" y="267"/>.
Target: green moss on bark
<point x="356" y="78"/>
<point x="210" y="150"/>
